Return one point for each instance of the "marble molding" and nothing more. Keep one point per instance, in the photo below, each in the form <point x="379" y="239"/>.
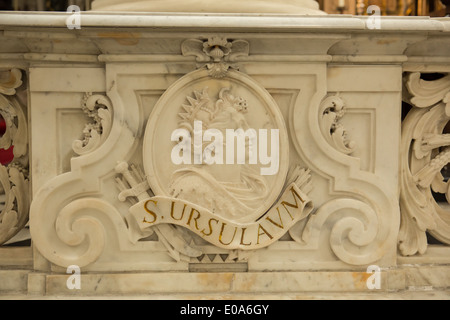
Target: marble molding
<point x="310" y="7"/>
<point x="351" y="185"/>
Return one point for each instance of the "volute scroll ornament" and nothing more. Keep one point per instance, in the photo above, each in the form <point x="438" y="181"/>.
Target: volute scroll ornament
<point x="425" y="152"/>
<point x="332" y="109"/>
<point x="98" y="108"/>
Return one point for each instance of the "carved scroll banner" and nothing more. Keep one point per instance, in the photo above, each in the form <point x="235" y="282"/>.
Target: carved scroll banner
<point x="292" y="206"/>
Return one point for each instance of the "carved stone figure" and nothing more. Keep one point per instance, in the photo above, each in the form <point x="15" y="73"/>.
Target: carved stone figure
<point x="233" y="190"/>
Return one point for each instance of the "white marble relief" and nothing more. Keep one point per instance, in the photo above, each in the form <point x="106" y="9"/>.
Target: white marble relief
<point x="250" y="6"/>
<point x="244" y="189"/>
<point x="97" y="107"/>
<point x="13" y="176"/>
<point x="262" y="211"/>
<point x="217" y="53"/>
<point x="332" y="110"/>
<point x="424" y="154"/>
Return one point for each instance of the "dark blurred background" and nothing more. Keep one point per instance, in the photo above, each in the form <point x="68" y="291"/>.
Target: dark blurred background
<point x="43" y="5"/>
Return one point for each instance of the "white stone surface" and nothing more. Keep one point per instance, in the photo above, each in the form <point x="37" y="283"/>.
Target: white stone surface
<point x="104" y="99"/>
<point x="230" y="6"/>
<point x="407" y="282"/>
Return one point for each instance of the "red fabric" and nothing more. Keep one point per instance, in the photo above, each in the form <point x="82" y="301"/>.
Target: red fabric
<point x="6" y="156"/>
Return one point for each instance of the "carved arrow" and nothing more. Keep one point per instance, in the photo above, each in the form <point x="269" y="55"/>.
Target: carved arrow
<point x="178" y="248"/>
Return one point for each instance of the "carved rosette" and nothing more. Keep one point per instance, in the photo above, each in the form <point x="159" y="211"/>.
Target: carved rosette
<point x="217" y="54"/>
<point x="425" y="151"/>
<point x="14" y="182"/>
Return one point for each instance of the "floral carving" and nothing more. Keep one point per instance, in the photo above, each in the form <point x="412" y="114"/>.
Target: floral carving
<point x="14" y="187"/>
<point x="14" y="182"/>
<point x="217" y="54"/>
<point x="97" y="107"/>
<point x="425" y="151"/>
<point x="332" y="109"/>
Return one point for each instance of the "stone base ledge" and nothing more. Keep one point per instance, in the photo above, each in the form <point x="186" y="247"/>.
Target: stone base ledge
<point x="406" y="282"/>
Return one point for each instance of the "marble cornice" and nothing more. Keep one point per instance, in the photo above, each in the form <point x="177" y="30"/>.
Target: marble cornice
<point x="103" y="37"/>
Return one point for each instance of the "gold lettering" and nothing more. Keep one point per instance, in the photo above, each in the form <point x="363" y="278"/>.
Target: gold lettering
<point x="171" y="211"/>
<point x="221" y="233"/>
<point x="279" y="225"/>
<point x="210" y="227"/>
<point x="195" y="219"/>
<point x="242" y="238"/>
<point x="285" y="203"/>
<point x="151" y="213"/>
<point x="260" y="227"/>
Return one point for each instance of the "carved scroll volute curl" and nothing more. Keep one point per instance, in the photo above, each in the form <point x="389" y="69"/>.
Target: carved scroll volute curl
<point x="332" y="109"/>
<point x="217" y="54"/>
<point x="360" y="217"/>
<point x="98" y="108"/>
<point x="424" y="153"/>
<point x="354" y="233"/>
<point x="68" y="225"/>
<point x="10" y="80"/>
<point x="14" y="184"/>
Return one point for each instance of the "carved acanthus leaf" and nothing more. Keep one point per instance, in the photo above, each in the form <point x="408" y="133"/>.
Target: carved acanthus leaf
<point x="217" y="54"/>
<point x="8" y="113"/>
<point x="14" y="185"/>
<point x="424" y="153"/>
<point x="16" y="132"/>
<point x="14" y="214"/>
<point x="427" y="93"/>
<point x="332" y="109"/>
<point x="97" y="107"/>
<point x="10" y="80"/>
